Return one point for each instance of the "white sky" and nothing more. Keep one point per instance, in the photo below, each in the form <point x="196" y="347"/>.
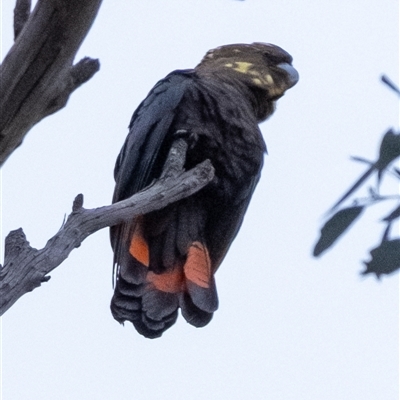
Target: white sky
<point x="289" y="327"/>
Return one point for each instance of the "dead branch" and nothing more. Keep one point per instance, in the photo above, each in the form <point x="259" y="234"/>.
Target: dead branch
<point x="25" y="268"/>
<point x="37" y="75"/>
<point x="22" y="11"/>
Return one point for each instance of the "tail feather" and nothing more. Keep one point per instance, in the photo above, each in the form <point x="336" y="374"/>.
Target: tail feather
<point x="152" y="329"/>
<point x="151" y="313"/>
<point x="164" y="270"/>
<point x="200" y="282"/>
<point x="159" y="305"/>
<point x="132" y="271"/>
<point x="204" y="299"/>
<point x="124" y="308"/>
<point x="193" y="314"/>
<point x="131" y="290"/>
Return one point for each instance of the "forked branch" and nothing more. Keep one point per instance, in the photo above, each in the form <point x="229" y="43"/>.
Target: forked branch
<point x="25" y="268"/>
<point x="37" y="75"/>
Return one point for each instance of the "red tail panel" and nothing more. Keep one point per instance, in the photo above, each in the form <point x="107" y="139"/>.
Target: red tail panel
<point x="197" y="267"/>
<point x="170" y="282"/>
<point x="139" y="248"/>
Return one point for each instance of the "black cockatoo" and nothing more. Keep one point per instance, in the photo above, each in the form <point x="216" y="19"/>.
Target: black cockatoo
<point x="166" y="260"/>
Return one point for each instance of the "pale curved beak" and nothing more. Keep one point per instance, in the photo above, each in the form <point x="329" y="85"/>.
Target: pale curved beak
<point x="293" y="75"/>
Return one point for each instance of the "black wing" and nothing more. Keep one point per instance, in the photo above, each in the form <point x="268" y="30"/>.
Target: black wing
<point x="138" y="162"/>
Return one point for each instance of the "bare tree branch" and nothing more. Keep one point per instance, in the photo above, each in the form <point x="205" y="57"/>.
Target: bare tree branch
<point x="22" y="11"/>
<point x="25" y="268"/>
<point x="37" y="76"/>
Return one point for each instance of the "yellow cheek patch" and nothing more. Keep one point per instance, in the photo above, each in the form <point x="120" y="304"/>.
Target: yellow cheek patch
<point x="269" y="79"/>
<point x="247" y="68"/>
<point x="242" y="66"/>
<point x="263" y="80"/>
<point x="275" y="91"/>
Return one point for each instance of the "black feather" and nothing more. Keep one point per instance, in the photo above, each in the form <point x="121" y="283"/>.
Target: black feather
<point x="216" y="108"/>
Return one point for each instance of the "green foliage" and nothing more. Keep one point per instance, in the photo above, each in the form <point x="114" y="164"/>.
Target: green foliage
<point x="335" y="227"/>
<point x="385" y="258"/>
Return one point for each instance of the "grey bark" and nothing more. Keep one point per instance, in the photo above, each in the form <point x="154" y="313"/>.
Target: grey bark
<point x="25" y="268"/>
<point x="37" y="76"/>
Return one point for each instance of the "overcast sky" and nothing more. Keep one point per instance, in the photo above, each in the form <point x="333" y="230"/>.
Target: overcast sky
<point x="289" y="327"/>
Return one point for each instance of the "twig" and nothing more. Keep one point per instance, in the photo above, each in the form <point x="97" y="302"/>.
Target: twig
<point x="389" y="83"/>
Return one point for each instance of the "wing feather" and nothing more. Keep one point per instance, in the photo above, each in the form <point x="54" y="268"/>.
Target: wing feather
<point x="138" y="163"/>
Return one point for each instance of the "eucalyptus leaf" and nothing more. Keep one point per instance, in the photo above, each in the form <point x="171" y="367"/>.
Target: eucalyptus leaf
<point x="335" y="227"/>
